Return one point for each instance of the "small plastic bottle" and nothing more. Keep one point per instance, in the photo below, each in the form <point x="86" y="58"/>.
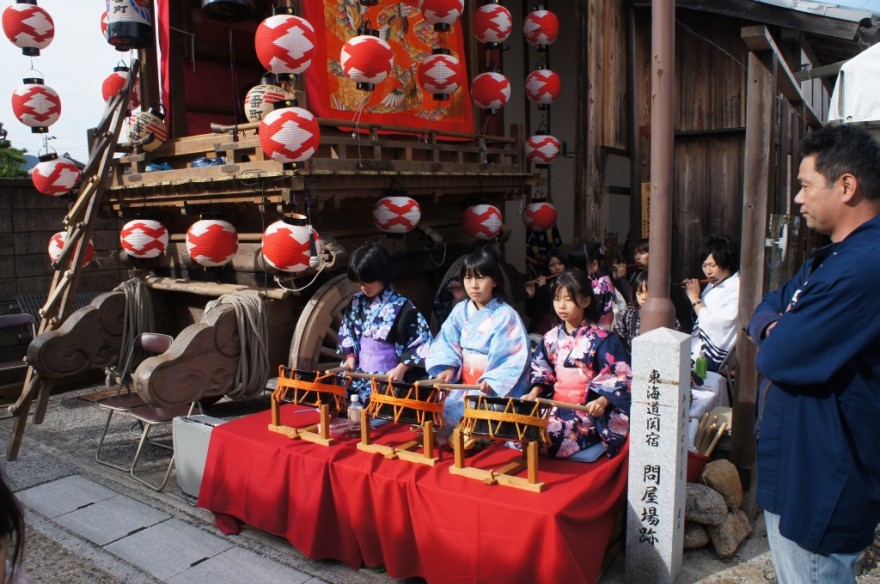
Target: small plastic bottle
<point x="701" y="366"/>
<point x="355" y="410"/>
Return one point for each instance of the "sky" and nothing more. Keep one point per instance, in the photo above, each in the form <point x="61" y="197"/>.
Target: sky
<point x="75" y="65"/>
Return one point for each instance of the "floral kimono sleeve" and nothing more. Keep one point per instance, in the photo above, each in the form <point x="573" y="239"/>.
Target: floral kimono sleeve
<point x="413" y="336"/>
<point x="509" y="352"/>
<point x="445" y="349"/>
<point x="544" y="363"/>
<point x="349" y="331"/>
<point x="614" y="376"/>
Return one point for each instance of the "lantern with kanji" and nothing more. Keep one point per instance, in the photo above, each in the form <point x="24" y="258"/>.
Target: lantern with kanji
<point x="543" y="87"/>
<point x="285" y="43"/>
<point x="482" y="221"/>
<point x="289" y="134"/>
<point x="490" y="91"/>
<point x="28" y="26"/>
<point x="441" y="13"/>
<point x="366" y="60"/>
<point x="57" y="243"/>
<point x="260" y="99"/>
<point x="396" y="214"/>
<point x="541" y="29"/>
<point x="539" y="216"/>
<point x="290" y="245"/>
<point x="492" y="24"/>
<point x="129" y="24"/>
<point x="114" y="83"/>
<point x="144" y="238"/>
<point x="211" y="242"/>
<point x="542" y="149"/>
<point x="148" y="129"/>
<point x="55" y="176"/>
<point x="36" y="105"/>
<point x="440" y="74"/>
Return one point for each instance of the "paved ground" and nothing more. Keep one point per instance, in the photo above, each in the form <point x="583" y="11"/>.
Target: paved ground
<point x="90" y="523"/>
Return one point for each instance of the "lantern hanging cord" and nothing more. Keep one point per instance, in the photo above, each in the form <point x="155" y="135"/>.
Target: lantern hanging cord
<point x="37" y="71"/>
<point x="233" y="73"/>
<point x="357" y="122"/>
<point x="301" y="288"/>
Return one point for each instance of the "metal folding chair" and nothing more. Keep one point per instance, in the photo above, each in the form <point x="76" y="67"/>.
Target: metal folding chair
<point x="149" y="416"/>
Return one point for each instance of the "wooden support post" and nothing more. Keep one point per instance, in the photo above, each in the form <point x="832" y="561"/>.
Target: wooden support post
<point x="532" y="459"/>
<point x="276" y="412"/>
<point x="324" y="412"/>
<point x="458" y="447"/>
<point x="428" y="439"/>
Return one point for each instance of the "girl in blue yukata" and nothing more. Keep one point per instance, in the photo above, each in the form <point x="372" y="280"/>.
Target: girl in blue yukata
<point x="579" y="362"/>
<point x="483" y="342"/>
<point x="381" y="331"/>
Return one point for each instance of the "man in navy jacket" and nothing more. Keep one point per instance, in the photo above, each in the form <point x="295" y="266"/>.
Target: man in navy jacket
<point x="818" y="464"/>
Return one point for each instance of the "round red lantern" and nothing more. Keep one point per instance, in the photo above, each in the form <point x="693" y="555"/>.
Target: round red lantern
<point x="29" y="27"/>
<point x="367" y="60"/>
<point x="287" y="246"/>
<point x="492" y="24"/>
<point x="285" y="44"/>
<point x="36" y="105"/>
<point x="441" y="13"/>
<point x="211" y="242"/>
<point x="543" y="87"/>
<point x="539" y="216"/>
<point x="490" y="91"/>
<point x="396" y="214"/>
<point x="57" y="243"/>
<point x="144" y="238"/>
<point x="542" y="149"/>
<point x="440" y="74"/>
<point x="289" y="134"/>
<point x="145" y="124"/>
<point x="114" y="83"/>
<point x="482" y="221"/>
<point x="55" y="176"/>
<point x="541" y="29"/>
<point x="260" y="100"/>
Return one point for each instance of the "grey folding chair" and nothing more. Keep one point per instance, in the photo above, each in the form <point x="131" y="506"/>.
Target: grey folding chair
<point x="149" y="416"/>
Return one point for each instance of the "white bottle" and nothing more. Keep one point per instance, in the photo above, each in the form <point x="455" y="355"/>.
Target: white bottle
<point x="355" y="409"/>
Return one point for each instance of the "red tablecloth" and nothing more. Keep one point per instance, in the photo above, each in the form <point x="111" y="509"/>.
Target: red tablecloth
<point x="362" y="509"/>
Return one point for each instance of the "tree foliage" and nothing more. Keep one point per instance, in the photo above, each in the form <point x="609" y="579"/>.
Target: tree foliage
<point x="11" y="158"/>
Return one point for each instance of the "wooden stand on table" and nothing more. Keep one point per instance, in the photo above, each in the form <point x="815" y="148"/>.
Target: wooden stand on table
<point x="308" y="388"/>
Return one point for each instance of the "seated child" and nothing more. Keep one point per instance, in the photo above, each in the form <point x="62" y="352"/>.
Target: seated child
<point x="588" y="258"/>
<point x="381" y="331"/>
<point x="483" y="342"/>
<point x="539" y="295"/>
<point x="581" y="363"/>
<point x="627" y="327"/>
<point x="624" y="279"/>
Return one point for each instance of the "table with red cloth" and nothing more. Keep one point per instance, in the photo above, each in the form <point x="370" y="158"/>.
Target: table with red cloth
<point x="362" y="509"/>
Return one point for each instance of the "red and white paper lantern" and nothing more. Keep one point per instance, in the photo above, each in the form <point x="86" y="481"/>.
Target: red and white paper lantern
<point x="482" y="221"/>
<point x="441" y="13"/>
<point x="144" y="238"/>
<point x="539" y="216"/>
<point x="114" y="83"/>
<point x="541" y="28"/>
<point x="543" y="87"/>
<point x="36" y="105"/>
<point x="286" y="246"/>
<point x="55" y="176"/>
<point x="211" y="242"/>
<point x="56" y="246"/>
<point x="285" y="44"/>
<point x="367" y="60"/>
<point x="104" y="23"/>
<point x="144" y="124"/>
<point x="290" y="134"/>
<point x="542" y="149"/>
<point x="441" y="75"/>
<point x="260" y="99"/>
<point x="396" y="214"/>
<point x="492" y="24"/>
<point x="490" y="91"/>
<point x="29" y="27"/>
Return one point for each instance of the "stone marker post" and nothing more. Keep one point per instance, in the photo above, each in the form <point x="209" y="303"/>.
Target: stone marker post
<point x="657" y="456"/>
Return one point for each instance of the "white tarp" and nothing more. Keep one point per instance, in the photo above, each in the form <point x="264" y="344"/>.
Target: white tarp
<point x="856" y="96"/>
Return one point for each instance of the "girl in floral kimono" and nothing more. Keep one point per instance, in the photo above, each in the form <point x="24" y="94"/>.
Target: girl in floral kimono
<point x="610" y="304"/>
<point x="581" y="363"/>
<point x="483" y="342"/>
<point x="381" y="331"/>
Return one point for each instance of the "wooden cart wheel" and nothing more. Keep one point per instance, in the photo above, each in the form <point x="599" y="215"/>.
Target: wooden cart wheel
<point x="314" y="341"/>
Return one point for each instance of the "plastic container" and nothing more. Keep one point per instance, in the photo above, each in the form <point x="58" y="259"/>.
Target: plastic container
<point x="355" y="410"/>
<point x="696" y="463"/>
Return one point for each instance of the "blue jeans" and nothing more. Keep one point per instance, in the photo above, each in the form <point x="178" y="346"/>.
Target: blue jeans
<point x="795" y="565"/>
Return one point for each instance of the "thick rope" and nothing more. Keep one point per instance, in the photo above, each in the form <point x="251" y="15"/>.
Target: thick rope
<point x="253" y="335"/>
<point x="138" y="318"/>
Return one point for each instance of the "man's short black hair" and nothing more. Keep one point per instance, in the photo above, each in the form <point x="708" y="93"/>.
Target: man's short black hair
<point x="723" y="249"/>
<point x="843" y="149"/>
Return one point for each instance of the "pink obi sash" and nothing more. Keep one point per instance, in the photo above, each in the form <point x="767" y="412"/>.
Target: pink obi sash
<point x="571" y="385"/>
<point x="473" y="367"/>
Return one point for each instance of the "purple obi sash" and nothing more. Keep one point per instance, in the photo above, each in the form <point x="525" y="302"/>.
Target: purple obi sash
<point x="377" y="356"/>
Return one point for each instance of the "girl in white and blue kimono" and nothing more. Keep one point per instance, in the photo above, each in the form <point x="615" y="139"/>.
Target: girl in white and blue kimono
<point x="483" y="341"/>
<point x="381" y="332"/>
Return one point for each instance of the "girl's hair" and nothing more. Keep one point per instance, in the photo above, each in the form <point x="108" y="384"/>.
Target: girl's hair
<point x="579" y="287"/>
<point x="582" y="255"/>
<point x="484" y="262"/>
<point x="722" y="248"/>
<point x="11" y="523"/>
<point x="370" y="263"/>
<point x="639" y="280"/>
<point x="559" y="255"/>
<point x="641" y="246"/>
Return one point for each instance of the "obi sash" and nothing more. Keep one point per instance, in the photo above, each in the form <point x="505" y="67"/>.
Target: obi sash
<point x="377" y="356"/>
<point x="473" y="366"/>
<point x="571" y="385"/>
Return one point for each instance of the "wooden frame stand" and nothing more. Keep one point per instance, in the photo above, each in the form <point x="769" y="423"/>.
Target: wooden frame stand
<point x="308" y="433"/>
<point x="309" y="389"/>
<point x="504" y="475"/>
<point x="406" y="451"/>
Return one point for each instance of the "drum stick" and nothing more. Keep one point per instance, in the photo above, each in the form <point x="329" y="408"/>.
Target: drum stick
<point x="335" y="370"/>
<point x="708" y="437"/>
<point x="358" y="375"/>
<point x="456" y="386"/>
<point x="717" y="437"/>
<point x="561" y="404"/>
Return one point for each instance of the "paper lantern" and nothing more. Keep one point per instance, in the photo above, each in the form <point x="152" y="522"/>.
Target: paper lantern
<point x="543" y="87"/>
<point x="539" y="216"/>
<point x="29" y="27"/>
<point x="440" y="74"/>
<point x="289" y="134"/>
<point x="482" y="221"/>
<point x="285" y="44"/>
<point x="396" y="214"/>
<point x="541" y="29"/>
<point x="367" y="60"/>
<point x="542" y="149"/>
<point x="490" y="91"/>
<point x="492" y="24"/>
<point x="114" y="83"/>
<point x="104" y="25"/>
<point x="260" y="99"/>
<point x="36" y="105"/>
<point x="211" y="242"/>
<point x="57" y="243"/>
<point x="286" y="246"/>
<point x="129" y="24"/>
<point x="441" y="13"/>
<point x="144" y="124"/>
<point x="55" y="176"/>
<point x="144" y="238"/>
